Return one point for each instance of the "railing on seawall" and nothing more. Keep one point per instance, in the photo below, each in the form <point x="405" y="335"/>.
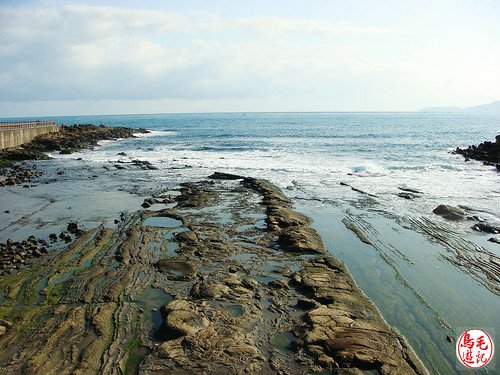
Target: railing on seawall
<point x="26" y="125"/>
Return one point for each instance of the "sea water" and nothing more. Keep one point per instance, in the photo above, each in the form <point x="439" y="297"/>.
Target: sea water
<point x="404" y="270"/>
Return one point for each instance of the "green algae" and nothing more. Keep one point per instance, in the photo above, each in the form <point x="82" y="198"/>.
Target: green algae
<point x="136" y="354"/>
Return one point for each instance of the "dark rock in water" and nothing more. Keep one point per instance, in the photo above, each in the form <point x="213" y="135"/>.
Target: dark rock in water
<point x="487" y="151"/>
<point x="72" y="227"/>
<point x="150" y="202"/>
<point x="121" y="154"/>
<point x="449" y="212"/>
<point x="145" y="205"/>
<point x="225" y="176"/>
<point x="144" y="164"/>
<point x="407" y="195"/>
<point x="476" y="218"/>
<point x="66" y="151"/>
<point x="65" y="236"/>
<point x="486" y="228"/>
<point x="410" y="190"/>
<point x="118" y="166"/>
<point x="494" y="240"/>
<point x="60" y="173"/>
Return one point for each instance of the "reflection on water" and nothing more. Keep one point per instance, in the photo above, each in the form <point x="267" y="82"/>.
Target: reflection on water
<point x="424" y="297"/>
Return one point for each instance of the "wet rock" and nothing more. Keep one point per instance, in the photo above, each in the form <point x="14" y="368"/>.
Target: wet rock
<point x="486" y="228"/>
<point x="406" y="195"/>
<point x="144" y="164"/>
<point x="150" y="201"/>
<point x="283" y="217"/>
<point x="449" y="212"/>
<point x="121" y="154"/>
<point x="225" y="176"/>
<point x="65" y="237"/>
<point x="345" y="330"/>
<point x="207" y="289"/>
<point x="181" y="318"/>
<point x="301" y="240"/>
<point x="72" y="227"/>
<point x="415" y="191"/>
<point x="189" y="238"/>
<point x="177" y="270"/>
<point x="278" y="284"/>
<point x="494" y="240"/>
<point x="486" y="151"/>
<point x="347" y="371"/>
<point x="476" y="218"/>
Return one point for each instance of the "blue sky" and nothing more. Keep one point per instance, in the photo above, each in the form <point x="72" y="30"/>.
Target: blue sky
<point x="106" y="57"/>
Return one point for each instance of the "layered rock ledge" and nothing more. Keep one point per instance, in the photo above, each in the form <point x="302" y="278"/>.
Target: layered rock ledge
<point x="229" y="281"/>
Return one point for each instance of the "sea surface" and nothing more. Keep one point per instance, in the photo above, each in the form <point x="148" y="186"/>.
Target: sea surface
<point x="407" y="262"/>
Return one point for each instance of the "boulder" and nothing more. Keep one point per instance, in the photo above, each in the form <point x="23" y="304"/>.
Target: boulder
<point x="449" y="212"/>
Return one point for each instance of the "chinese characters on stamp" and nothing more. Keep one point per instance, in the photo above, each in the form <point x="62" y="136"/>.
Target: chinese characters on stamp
<point x="475" y="348"/>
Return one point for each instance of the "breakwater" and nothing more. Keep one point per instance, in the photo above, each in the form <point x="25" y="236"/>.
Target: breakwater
<point x="13" y="134"/>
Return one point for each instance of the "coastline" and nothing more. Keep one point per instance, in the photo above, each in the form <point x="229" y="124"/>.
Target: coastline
<point x="67" y="280"/>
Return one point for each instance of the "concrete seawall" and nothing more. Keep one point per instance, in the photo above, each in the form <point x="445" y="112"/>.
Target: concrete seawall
<point x="13" y="134"/>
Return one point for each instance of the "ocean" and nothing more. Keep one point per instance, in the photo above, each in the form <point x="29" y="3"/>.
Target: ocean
<point x="345" y="171"/>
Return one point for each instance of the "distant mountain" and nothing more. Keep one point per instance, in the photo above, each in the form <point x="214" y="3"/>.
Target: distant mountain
<point x="493" y="107"/>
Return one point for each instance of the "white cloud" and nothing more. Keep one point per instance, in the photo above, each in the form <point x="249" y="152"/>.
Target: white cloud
<point x="79" y="52"/>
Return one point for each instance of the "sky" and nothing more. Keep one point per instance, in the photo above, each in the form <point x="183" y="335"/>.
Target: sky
<point x="119" y="57"/>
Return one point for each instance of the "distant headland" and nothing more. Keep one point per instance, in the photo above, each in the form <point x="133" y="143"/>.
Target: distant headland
<point x="493" y="107"/>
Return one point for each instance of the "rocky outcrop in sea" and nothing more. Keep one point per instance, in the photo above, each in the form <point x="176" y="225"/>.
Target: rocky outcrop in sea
<point x="488" y="152"/>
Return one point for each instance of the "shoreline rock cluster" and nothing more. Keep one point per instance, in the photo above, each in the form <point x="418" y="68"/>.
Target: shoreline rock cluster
<point x="68" y="140"/>
<point x="18" y="174"/>
<point x="14" y="255"/>
<point x="487" y="152"/>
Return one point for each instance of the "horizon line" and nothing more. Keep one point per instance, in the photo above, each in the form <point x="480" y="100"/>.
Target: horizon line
<point x="422" y="111"/>
<point x="203" y="113"/>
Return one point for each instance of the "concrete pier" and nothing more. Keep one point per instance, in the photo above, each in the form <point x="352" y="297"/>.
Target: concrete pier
<point x="13" y="134"/>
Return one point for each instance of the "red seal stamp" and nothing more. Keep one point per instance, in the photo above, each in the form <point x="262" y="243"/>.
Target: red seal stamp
<point x="475" y="348"/>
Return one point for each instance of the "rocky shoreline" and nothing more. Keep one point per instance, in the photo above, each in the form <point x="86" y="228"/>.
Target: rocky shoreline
<point x="487" y="152"/>
<point x="68" y="140"/>
<point x="224" y="278"/>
